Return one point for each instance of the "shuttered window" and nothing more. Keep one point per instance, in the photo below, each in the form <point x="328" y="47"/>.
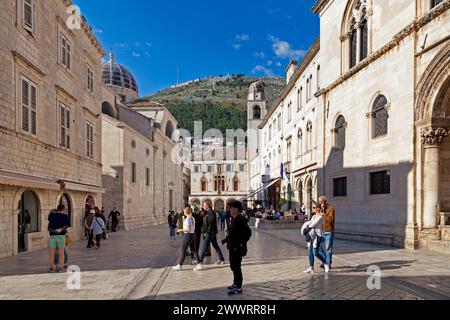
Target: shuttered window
<point x="29" y="106"/>
<point x="90" y="79"/>
<point x="64" y="124"/>
<point x="65" y="51"/>
<point x="28" y="15"/>
<point x="89" y="140"/>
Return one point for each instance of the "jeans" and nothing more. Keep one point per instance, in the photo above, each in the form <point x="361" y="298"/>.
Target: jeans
<point x="66" y="257"/>
<point x="114" y="225"/>
<point x="98" y="239"/>
<point x="222" y="224"/>
<point x="189" y="240"/>
<point x="326" y="247"/>
<point x="315" y="252"/>
<point x="235" y="266"/>
<point x="172" y="231"/>
<point x="211" y="239"/>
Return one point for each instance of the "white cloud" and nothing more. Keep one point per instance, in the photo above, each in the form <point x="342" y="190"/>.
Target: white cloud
<point x="136" y="55"/>
<point x="278" y="64"/>
<point x="122" y="45"/>
<point x="263" y="70"/>
<point x="260" y="54"/>
<point x="100" y="31"/>
<point x="269" y="62"/>
<point x="284" y="49"/>
<point x="148" y="44"/>
<point x="147" y="54"/>
<point x="243" y="37"/>
<point x="237" y="46"/>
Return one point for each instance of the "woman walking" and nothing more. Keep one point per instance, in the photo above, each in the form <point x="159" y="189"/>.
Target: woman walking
<point x="313" y="233"/>
<point x="98" y="229"/>
<point x="189" y="238"/>
<point x="172" y="221"/>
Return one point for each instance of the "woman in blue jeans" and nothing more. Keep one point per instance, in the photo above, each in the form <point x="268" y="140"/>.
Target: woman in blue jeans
<point x="316" y="233"/>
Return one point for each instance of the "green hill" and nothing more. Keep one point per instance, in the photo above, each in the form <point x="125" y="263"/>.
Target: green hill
<point x="220" y="102"/>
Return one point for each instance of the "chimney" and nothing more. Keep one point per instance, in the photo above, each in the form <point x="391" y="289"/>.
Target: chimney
<point x="290" y="70"/>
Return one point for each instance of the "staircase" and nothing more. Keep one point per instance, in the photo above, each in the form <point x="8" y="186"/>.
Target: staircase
<point x="436" y="240"/>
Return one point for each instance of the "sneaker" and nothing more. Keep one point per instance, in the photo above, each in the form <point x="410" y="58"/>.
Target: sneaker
<point x="322" y="266"/>
<point x="309" y="270"/>
<point x="198" y="267"/>
<point x="233" y="286"/>
<point x="235" y="291"/>
<point x="327" y="268"/>
<point x="194" y="262"/>
<point x="220" y="262"/>
<point x="177" y="268"/>
<point x="51" y="270"/>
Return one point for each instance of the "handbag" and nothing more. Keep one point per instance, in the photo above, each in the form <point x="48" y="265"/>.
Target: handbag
<point x="69" y="239"/>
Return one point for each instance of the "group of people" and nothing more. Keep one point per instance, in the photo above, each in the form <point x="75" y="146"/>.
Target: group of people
<point x="271" y="214"/>
<point x="60" y="238"/>
<point x="206" y="222"/>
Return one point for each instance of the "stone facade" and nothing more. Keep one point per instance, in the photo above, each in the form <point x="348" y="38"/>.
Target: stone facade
<point x="32" y="158"/>
<point x="399" y="63"/>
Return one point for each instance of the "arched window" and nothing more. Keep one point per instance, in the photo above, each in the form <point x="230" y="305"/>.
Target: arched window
<point x="318" y="77"/>
<point x="380" y="116"/>
<point x="256" y="112"/>
<point x="169" y="129"/>
<point x="307" y="90"/>
<point x="300" y="142"/>
<point x="339" y="133"/>
<point x="356" y="32"/>
<point x="310" y="86"/>
<point x="299" y="98"/>
<point x="235" y="184"/>
<point x="309" y="135"/>
<point x="204" y="185"/>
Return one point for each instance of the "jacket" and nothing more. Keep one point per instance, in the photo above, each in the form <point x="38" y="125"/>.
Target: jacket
<point x="210" y="223"/>
<point x="328" y="219"/>
<point x="235" y="239"/>
<point x="316" y="230"/>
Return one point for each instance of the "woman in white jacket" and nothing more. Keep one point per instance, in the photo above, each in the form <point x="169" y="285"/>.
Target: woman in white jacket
<point x="316" y="233"/>
<point x="98" y="229"/>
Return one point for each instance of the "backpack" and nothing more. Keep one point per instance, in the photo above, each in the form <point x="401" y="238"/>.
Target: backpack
<point x="247" y="233"/>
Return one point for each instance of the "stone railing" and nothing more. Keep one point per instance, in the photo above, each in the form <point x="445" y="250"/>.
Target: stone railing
<point x="277" y="224"/>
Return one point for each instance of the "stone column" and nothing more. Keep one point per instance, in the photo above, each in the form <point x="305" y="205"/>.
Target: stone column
<point x="431" y="139"/>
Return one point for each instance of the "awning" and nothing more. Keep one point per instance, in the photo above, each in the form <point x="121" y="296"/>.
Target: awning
<point x="76" y="186"/>
<point x="271" y="183"/>
<point x="27" y="181"/>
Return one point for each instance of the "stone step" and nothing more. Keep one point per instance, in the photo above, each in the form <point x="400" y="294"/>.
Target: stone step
<point x="441" y="246"/>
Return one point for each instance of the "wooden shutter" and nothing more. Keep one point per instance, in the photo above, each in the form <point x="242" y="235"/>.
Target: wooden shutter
<point x="25" y="105"/>
<point x="33" y="108"/>
<point x="68" y="128"/>
<point x="62" y="125"/>
<point x="28" y="15"/>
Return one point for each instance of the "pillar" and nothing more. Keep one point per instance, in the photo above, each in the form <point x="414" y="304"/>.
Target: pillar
<point x="431" y="140"/>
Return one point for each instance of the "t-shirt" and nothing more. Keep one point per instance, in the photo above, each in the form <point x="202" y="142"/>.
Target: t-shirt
<point x="189" y="224"/>
<point x="58" y="220"/>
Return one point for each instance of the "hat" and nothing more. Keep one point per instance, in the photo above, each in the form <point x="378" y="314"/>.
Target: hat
<point x="92" y="211"/>
<point x="235" y="204"/>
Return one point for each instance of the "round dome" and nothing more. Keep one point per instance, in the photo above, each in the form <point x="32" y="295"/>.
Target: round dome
<point x="115" y="74"/>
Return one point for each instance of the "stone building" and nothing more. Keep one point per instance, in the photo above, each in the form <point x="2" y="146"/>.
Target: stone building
<point x="139" y="176"/>
<point x="381" y="97"/>
<point x="50" y="127"/>
<point x="218" y="174"/>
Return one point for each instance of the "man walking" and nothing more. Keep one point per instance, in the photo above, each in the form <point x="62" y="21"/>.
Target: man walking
<point x="222" y="217"/>
<point x="328" y="222"/>
<point x="237" y="245"/>
<point x="210" y="229"/>
<point x="114" y="216"/>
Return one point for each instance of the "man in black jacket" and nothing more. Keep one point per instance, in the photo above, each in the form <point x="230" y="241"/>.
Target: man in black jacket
<point x="210" y="230"/>
<point x="236" y="245"/>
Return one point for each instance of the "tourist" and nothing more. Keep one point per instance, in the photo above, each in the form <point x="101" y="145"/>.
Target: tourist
<point x="313" y="230"/>
<point x="114" y="217"/>
<point x="68" y="242"/>
<point x="210" y="230"/>
<point x="58" y="222"/>
<point x="237" y="245"/>
<point x="88" y="224"/>
<point x="222" y="218"/>
<point x="98" y="229"/>
<point x="328" y="223"/>
<point x="189" y="236"/>
<point x="198" y="216"/>
<point x="172" y="221"/>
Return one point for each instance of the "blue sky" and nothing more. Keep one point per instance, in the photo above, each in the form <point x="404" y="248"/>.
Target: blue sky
<point x="201" y="37"/>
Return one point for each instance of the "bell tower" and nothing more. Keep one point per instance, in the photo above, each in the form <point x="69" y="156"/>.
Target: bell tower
<point x="256" y="111"/>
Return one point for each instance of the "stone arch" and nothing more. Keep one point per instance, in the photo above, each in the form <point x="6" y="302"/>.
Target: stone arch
<point x="219" y="204"/>
<point x="109" y="110"/>
<point x="209" y="201"/>
<point x="435" y="77"/>
<point x="299" y="188"/>
<point x="196" y="202"/>
<point x="309" y="194"/>
<point x="70" y="201"/>
<point x="257" y="112"/>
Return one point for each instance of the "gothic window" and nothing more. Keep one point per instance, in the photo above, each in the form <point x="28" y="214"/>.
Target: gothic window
<point x="219" y="183"/>
<point x="299" y="98"/>
<point x="235" y="184"/>
<point x="257" y="112"/>
<point x="309" y="135"/>
<point x="318" y="77"/>
<point x="380" y="117"/>
<point x="300" y="143"/>
<point x="356" y="32"/>
<point x="339" y="133"/>
<point x="203" y="185"/>
<point x="307" y="90"/>
<point x="310" y="86"/>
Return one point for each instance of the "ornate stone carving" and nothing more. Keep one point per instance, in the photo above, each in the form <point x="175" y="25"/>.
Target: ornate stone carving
<point x="433" y="136"/>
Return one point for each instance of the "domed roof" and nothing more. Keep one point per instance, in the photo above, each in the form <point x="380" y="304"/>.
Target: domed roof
<point x="115" y="74"/>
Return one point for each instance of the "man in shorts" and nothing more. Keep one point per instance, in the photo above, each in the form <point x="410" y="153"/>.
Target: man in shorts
<point x="58" y="222"/>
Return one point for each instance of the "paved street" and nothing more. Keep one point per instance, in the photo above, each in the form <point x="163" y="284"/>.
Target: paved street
<point x="136" y="265"/>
